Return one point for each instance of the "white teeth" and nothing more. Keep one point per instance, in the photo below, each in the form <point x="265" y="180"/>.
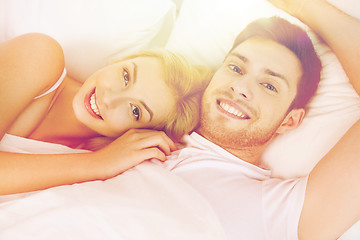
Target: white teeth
<point x="232" y="110"/>
<point x="93" y="105"/>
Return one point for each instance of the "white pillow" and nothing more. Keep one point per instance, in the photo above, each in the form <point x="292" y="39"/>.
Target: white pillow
<point x="204" y="32"/>
<point x="91" y="31"/>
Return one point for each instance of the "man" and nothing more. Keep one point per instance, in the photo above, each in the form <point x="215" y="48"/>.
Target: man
<point x="254" y="96"/>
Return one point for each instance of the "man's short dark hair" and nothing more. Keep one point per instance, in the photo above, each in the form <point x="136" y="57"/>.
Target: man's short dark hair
<point x="297" y="41"/>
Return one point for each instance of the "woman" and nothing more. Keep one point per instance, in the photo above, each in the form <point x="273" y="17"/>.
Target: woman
<point x="156" y="90"/>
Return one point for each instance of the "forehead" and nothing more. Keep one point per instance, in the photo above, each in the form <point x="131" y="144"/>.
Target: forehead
<point x="150" y="86"/>
<point x="146" y="71"/>
<point x="150" y="65"/>
<point x="266" y="54"/>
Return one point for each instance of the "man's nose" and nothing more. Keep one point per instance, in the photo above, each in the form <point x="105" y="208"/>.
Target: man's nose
<point x="243" y="88"/>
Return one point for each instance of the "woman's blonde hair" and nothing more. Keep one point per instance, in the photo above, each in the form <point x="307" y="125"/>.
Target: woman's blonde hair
<point x="187" y="83"/>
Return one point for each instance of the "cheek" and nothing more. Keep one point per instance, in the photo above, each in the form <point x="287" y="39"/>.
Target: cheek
<point x="162" y="111"/>
<point x="119" y="120"/>
<point x="273" y="113"/>
<point x="220" y="82"/>
<point x="86" y="87"/>
<point x="92" y="79"/>
<point x="270" y="109"/>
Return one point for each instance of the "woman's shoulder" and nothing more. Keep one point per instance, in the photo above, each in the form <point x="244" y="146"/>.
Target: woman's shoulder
<point x="29" y="65"/>
<point x="34" y="61"/>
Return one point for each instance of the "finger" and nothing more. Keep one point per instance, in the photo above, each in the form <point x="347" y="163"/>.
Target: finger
<point x="173" y="146"/>
<point x="155" y="141"/>
<point x="152" y="152"/>
<point x="170" y="142"/>
<point x="144" y="133"/>
<point x="158" y="139"/>
<point x="138" y="134"/>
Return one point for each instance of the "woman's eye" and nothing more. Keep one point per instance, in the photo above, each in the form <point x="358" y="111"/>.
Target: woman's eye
<point x="270" y="87"/>
<point x="135" y="111"/>
<point x="126" y="77"/>
<point x="236" y="69"/>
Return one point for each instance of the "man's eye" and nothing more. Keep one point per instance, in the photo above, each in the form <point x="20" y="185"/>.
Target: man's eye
<point x="270" y="87"/>
<point x="126" y="77"/>
<point x="236" y="69"/>
<point x="135" y="111"/>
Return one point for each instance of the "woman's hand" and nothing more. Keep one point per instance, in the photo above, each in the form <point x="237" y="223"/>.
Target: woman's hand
<point x="29" y="172"/>
<point x="130" y="149"/>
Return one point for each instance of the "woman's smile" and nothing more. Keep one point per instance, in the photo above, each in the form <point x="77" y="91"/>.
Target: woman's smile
<point x="91" y="105"/>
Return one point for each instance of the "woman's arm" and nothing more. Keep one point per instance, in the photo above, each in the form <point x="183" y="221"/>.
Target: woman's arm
<point x="333" y="192"/>
<point x="30" y="172"/>
<point x="29" y="65"/>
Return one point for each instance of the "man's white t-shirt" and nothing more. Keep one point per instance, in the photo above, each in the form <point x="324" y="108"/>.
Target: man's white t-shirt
<point x="249" y="203"/>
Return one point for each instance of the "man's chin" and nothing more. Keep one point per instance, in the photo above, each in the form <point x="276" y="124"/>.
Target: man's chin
<point x="228" y="137"/>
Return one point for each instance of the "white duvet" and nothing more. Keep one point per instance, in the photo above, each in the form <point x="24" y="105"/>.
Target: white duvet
<point x="146" y="202"/>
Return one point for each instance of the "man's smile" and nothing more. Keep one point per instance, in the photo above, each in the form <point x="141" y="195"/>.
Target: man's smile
<point x="231" y="109"/>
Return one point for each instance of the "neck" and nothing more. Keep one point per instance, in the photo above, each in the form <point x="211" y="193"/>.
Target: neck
<point x="250" y="154"/>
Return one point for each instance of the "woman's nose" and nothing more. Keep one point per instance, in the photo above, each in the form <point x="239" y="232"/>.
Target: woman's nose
<point x="110" y="93"/>
<point x="108" y="83"/>
<point x="110" y="98"/>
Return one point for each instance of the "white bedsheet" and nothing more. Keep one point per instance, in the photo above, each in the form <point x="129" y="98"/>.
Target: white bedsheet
<point x="146" y="202"/>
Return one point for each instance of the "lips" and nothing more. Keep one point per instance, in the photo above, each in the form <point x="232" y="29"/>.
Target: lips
<point x="91" y="105"/>
<point x="231" y="109"/>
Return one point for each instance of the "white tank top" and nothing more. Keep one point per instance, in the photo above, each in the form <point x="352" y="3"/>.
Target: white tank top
<point x="55" y="86"/>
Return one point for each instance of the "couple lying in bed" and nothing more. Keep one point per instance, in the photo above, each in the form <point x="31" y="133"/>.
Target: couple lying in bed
<point x="259" y="92"/>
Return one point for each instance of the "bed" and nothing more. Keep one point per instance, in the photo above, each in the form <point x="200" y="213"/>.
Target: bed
<point x="147" y="202"/>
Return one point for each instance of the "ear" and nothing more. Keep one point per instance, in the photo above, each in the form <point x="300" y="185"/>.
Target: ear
<point x="292" y="120"/>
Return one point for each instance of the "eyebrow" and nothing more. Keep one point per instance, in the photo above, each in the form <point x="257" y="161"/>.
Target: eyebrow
<point x="267" y="71"/>
<point x="241" y="57"/>
<point x="277" y="75"/>
<point x="147" y="109"/>
<point x="135" y="69"/>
